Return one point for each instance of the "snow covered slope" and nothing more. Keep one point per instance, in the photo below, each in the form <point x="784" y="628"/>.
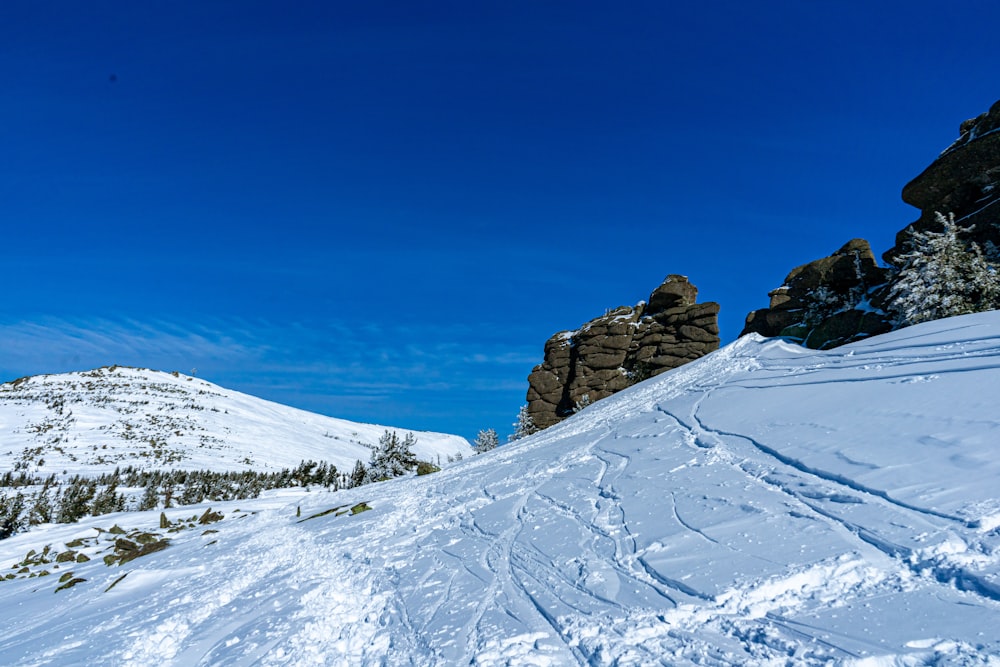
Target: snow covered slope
<point x="766" y="504"/>
<point x="93" y="421"/>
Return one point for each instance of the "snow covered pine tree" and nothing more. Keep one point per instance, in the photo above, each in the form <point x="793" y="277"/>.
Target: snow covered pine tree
<point x="942" y="276"/>
<point x="524" y="426"/>
<point x="391" y="458"/>
<point x="485" y="441"/>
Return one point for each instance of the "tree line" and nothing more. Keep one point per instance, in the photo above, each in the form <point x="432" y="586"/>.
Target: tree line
<point x="54" y="500"/>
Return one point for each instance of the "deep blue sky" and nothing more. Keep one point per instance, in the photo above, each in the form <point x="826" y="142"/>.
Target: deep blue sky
<point x="381" y="210"/>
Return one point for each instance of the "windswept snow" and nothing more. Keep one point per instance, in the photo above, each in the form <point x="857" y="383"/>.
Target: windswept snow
<point x="93" y="421"/>
<point x="765" y="504"/>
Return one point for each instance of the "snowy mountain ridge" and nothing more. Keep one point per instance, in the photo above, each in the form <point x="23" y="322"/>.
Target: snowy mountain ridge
<point x="763" y="505"/>
<point x="93" y="421"/>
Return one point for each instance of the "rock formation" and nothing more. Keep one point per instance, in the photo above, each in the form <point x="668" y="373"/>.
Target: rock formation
<point x="624" y="346"/>
<point x="825" y="303"/>
<point x="840" y="298"/>
<point x="964" y="180"/>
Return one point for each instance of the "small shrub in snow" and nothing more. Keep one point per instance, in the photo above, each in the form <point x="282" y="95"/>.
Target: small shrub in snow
<point x="582" y="403"/>
<point x="485" y="441"/>
<point x="524" y="426"/>
<point x="426" y="468"/>
<point x="640" y="372"/>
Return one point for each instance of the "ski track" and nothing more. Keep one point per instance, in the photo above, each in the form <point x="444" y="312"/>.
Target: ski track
<point x="204" y="613"/>
<point x="943" y="572"/>
<point x="720" y="442"/>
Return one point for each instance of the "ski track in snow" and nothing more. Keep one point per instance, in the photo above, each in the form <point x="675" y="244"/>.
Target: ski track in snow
<point x="736" y="511"/>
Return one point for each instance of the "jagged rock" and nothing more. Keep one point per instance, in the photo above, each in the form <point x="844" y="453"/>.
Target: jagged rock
<point x="622" y="347"/>
<point x="964" y="180"/>
<point x="824" y="303"/>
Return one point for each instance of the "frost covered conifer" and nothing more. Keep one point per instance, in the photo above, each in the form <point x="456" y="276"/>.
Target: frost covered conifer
<point x="485" y="441"/>
<point x="150" y="497"/>
<point x="942" y="276"/>
<point x="392" y="457"/>
<point x="42" y="506"/>
<point x="108" y="500"/>
<point x="75" y="502"/>
<point x="11" y="521"/>
<point x="524" y="426"/>
<point x="358" y="475"/>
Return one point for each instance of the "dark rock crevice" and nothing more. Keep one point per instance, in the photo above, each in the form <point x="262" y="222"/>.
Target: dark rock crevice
<point x="566" y="403"/>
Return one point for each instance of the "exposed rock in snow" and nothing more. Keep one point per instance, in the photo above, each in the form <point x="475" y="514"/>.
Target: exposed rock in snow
<point x="962" y="181"/>
<point x="625" y="345"/>
<point x="821" y="304"/>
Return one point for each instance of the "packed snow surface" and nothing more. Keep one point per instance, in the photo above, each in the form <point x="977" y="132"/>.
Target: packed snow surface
<point x="765" y="505"/>
<point x="94" y="421"/>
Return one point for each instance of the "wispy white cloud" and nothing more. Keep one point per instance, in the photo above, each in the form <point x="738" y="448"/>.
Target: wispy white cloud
<point x="362" y="372"/>
<point x="53" y="346"/>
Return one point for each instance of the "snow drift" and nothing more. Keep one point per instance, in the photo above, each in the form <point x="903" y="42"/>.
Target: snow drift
<point x="766" y="504"/>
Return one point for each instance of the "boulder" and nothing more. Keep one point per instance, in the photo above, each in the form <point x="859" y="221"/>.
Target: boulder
<point x="826" y="302"/>
<point x="624" y="346"/>
<point x="675" y="292"/>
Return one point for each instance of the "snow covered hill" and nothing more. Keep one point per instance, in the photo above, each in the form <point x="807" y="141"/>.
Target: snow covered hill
<point x="90" y="422"/>
<point x="765" y="504"/>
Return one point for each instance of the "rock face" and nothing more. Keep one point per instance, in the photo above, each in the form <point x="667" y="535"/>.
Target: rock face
<point x="825" y="303"/>
<point x="840" y="298"/>
<point x="620" y="348"/>
<point x="964" y="180"/>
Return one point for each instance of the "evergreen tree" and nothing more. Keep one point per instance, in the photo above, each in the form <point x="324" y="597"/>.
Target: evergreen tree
<point x="485" y="441"/>
<point x="942" y="276"/>
<point x="358" y="475"/>
<point x="150" y="497"/>
<point x="406" y="455"/>
<point x="11" y="521"/>
<point x="108" y="500"/>
<point x="168" y="495"/>
<point x="75" y="503"/>
<point x="41" y="507"/>
<point x="392" y="457"/>
<point x="524" y="426"/>
<point x="193" y="493"/>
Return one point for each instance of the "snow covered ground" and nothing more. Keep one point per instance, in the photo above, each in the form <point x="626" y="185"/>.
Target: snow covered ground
<point x="766" y="504"/>
<point x="93" y="421"/>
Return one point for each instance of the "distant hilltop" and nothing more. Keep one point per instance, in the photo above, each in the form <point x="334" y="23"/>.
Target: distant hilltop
<point x="92" y="422"/>
<point x="944" y="263"/>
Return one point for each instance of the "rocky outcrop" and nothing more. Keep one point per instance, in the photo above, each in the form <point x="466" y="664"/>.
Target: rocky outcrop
<point x="963" y="180"/>
<point x="622" y="347"/>
<point x="827" y="302"/>
<point x="844" y="297"/>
